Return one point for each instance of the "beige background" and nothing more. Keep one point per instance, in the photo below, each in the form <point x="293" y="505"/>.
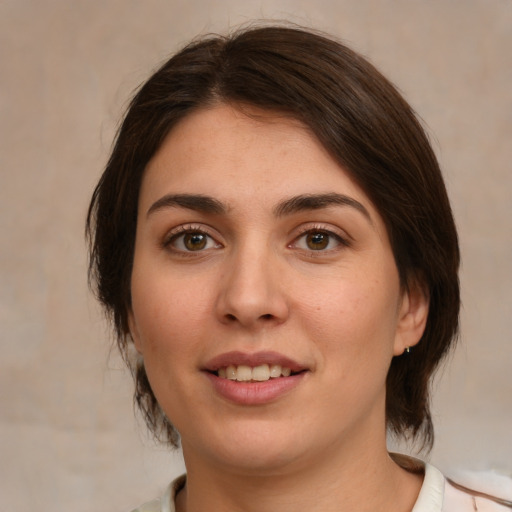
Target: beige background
<point x="68" y="439"/>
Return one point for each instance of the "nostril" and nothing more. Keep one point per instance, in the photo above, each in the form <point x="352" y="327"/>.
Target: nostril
<point x="268" y="316"/>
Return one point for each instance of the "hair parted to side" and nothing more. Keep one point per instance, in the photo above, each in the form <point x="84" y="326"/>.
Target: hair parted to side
<point x="366" y="126"/>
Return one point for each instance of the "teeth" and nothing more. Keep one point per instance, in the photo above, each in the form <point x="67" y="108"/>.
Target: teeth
<point x="244" y="373"/>
<point x="230" y="372"/>
<point x="261" y="373"/>
<point x="275" y="371"/>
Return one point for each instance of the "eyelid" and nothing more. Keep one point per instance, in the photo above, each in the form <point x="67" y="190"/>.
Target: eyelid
<point x="344" y="239"/>
<point x="183" y="229"/>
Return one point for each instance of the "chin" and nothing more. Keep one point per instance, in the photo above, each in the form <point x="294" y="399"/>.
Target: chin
<point x="254" y="449"/>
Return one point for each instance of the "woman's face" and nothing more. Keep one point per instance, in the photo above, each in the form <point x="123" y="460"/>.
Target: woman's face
<point x="265" y="297"/>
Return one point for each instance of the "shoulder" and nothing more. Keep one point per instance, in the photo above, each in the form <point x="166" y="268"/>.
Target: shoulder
<point x="150" y="506"/>
<point x="467" y="492"/>
<point x="166" y="502"/>
<point x="483" y="492"/>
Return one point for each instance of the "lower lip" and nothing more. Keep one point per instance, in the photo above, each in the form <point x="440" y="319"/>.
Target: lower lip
<point x="254" y="393"/>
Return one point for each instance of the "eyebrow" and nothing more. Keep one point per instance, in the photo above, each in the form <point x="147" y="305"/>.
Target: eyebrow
<point x="197" y="202"/>
<point x="303" y="202"/>
<point x="318" y="202"/>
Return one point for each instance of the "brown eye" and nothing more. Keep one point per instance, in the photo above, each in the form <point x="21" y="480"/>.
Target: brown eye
<point x="191" y="241"/>
<point x="195" y="241"/>
<point x="317" y="241"/>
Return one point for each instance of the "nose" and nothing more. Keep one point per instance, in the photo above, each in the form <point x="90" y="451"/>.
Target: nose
<point x="252" y="291"/>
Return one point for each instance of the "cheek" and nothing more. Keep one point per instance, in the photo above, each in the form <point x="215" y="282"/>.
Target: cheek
<point x="353" y="336"/>
<point x="170" y="322"/>
<point x="169" y="316"/>
<point x="353" y="319"/>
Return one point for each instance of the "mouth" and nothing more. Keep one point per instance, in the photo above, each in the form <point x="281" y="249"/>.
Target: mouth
<point x="260" y="373"/>
<point x="258" y="367"/>
<point x="254" y="379"/>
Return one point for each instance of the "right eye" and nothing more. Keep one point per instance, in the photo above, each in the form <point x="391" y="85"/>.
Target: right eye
<point x="191" y="240"/>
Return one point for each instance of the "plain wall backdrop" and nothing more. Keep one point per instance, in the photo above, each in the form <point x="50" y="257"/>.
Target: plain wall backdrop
<point x="68" y="437"/>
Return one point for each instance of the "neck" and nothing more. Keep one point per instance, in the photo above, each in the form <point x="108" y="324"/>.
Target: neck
<point x="348" y="479"/>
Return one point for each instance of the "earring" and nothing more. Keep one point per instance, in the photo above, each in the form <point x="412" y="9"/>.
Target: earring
<point x="408" y="350"/>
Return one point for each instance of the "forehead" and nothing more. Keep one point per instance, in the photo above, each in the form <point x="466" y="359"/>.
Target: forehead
<point x="227" y="135"/>
<point x="242" y="155"/>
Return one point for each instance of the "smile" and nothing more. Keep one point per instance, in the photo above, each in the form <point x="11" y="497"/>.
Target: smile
<point x="254" y="378"/>
<point x="260" y="373"/>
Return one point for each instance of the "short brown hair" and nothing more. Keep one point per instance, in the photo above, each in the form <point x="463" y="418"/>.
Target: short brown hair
<point x="366" y="126"/>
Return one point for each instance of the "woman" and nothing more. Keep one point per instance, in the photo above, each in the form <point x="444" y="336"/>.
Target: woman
<point x="273" y="236"/>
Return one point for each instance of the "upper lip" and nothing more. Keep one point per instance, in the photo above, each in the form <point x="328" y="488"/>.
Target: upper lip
<point x="237" y="358"/>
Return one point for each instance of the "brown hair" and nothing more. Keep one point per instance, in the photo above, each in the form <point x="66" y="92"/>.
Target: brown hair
<point x="367" y="127"/>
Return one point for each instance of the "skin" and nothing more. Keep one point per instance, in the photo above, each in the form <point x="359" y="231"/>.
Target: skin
<point x="257" y="285"/>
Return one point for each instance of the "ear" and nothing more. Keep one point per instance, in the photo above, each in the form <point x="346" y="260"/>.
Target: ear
<point x="134" y="332"/>
<point x="412" y="316"/>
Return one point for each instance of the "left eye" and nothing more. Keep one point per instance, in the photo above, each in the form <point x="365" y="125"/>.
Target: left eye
<point x="318" y="241"/>
<point x="192" y="241"/>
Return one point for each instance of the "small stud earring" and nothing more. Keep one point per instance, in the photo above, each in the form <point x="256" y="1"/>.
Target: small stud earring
<point x="408" y="350"/>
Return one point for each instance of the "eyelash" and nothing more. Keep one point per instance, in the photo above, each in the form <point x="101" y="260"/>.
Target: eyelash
<point x="314" y="230"/>
<point x="180" y="232"/>
<point x="174" y="236"/>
